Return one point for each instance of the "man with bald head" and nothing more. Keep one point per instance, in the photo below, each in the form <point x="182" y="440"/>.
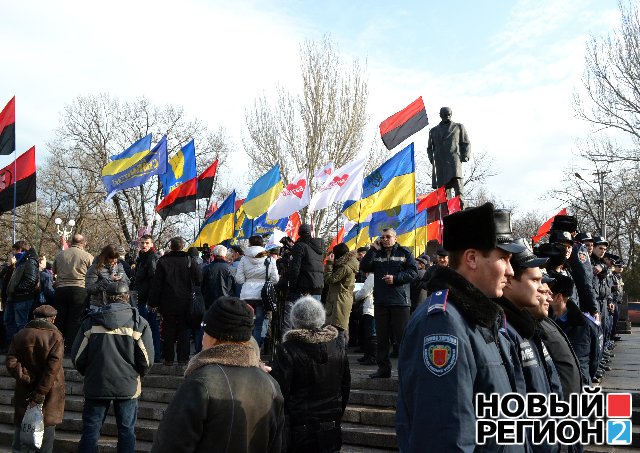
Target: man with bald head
<point x="448" y="146"/>
<point x="71" y="266"/>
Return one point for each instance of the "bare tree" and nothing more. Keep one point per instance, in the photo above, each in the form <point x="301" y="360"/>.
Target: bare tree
<point x="610" y="95"/>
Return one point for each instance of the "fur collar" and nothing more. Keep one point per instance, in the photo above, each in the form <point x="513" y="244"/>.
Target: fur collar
<point x="40" y="323"/>
<point x="520" y="319"/>
<point x="324" y="335"/>
<point x="228" y="354"/>
<point x="348" y="259"/>
<point x="474" y="306"/>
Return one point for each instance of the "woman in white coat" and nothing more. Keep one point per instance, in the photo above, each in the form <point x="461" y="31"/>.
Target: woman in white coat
<point x="252" y="273"/>
<point x="367" y="323"/>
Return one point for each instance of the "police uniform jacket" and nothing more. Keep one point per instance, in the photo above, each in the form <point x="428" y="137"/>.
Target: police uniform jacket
<point x="582" y="275"/>
<point x="582" y="334"/>
<point x="451" y="351"/>
<point x="400" y="263"/>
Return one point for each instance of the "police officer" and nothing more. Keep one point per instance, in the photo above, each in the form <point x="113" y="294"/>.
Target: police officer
<point x="452" y="348"/>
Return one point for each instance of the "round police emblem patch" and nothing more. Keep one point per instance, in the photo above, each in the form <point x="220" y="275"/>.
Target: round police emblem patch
<point x="440" y="353"/>
<point x="582" y="256"/>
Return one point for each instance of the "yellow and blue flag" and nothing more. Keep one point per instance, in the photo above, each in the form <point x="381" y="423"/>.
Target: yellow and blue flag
<point x="182" y="168"/>
<point x="412" y="232"/>
<point x="357" y="236"/>
<point x="135" y="165"/>
<point x="390" y="185"/>
<point x="219" y="226"/>
<point x="263" y="193"/>
<point x="390" y="218"/>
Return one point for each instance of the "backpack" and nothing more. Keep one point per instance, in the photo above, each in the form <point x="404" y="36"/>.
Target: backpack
<point x="268" y="293"/>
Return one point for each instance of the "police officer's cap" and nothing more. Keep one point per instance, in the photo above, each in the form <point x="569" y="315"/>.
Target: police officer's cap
<point x="546" y="278"/>
<point x="526" y="259"/>
<point x="442" y="252"/>
<point x="565" y="223"/>
<point x="559" y="236"/>
<point x="599" y="240"/>
<point x="584" y="236"/>
<point x="481" y="228"/>
<point x="613" y="257"/>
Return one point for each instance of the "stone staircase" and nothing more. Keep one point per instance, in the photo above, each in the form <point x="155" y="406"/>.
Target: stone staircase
<point x="368" y="423"/>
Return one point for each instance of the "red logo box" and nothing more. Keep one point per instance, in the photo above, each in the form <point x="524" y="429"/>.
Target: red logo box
<point x="618" y="405"/>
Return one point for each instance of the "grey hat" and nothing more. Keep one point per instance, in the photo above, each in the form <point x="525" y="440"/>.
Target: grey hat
<point x="307" y="313"/>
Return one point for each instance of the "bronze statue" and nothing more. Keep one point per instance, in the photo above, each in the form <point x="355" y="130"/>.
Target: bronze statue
<point x="448" y="146"/>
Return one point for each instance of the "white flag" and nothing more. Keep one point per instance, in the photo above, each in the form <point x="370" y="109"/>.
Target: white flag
<point x="345" y="184"/>
<point x="323" y="173"/>
<point x="293" y="197"/>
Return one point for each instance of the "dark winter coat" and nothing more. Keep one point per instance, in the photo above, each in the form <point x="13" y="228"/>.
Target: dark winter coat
<point x="113" y="350"/>
<point x="448" y="146"/>
<point x="97" y="280"/>
<point x="177" y="275"/>
<point x="217" y="281"/>
<point x="339" y="277"/>
<point x="226" y="403"/>
<point x="313" y="373"/>
<point x="474" y="358"/>
<point x="145" y="270"/>
<point x="25" y="278"/>
<point x="306" y="271"/>
<point x="582" y="275"/>
<point x="399" y="262"/>
<point x="582" y="334"/>
<point x="47" y="289"/>
<point x="35" y="361"/>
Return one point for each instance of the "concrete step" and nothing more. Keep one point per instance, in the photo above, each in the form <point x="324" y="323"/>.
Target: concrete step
<point x="366" y="415"/>
<point x="378" y="398"/>
<point x="369" y="436"/>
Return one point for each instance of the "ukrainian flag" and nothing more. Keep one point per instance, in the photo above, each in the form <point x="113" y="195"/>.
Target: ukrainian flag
<point x="412" y="233"/>
<point x="390" y="218"/>
<point x="134" y="166"/>
<point x="392" y="184"/>
<point x="182" y="168"/>
<point x="358" y="236"/>
<point x="219" y="226"/>
<point x="263" y="193"/>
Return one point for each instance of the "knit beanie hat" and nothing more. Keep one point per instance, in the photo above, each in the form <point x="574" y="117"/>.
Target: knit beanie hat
<point x="229" y="319"/>
<point x="307" y="313"/>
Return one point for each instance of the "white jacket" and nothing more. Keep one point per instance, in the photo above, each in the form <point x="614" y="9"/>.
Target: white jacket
<point x="366" y="293"/>
<point x="251" y="272"/>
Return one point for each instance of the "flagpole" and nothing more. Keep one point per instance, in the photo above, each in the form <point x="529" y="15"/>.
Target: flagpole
<point x="37" y="218"/>
<point x="15" y="190"/>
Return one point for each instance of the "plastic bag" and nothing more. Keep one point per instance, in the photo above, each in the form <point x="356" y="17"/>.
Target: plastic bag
<point x="32" y="428"/>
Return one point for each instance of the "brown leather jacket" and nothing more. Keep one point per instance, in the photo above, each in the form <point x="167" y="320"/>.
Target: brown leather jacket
<point x="35" y="361"/>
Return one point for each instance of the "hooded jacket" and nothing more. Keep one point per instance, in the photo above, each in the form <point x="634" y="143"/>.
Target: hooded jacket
<point x="35" y="361"/>
<point x="25" y="278"/>
<point x="339" y="277"/>
<point x="451" y="350"/>
<point x="112" y="350"/>
<point x="252" y="270"/>
<point x="313" y="373"/>
<point x="305" y="273"/>
<point x="399" y="262"/>
<point x="226" y="403"/>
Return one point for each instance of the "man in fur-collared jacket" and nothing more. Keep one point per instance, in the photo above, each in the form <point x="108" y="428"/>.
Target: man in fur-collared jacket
<point x="227" y="401"/>
<point x="312" y="369"/>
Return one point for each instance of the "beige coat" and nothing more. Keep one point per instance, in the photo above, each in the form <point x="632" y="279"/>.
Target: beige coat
<point x="340" y="279"/>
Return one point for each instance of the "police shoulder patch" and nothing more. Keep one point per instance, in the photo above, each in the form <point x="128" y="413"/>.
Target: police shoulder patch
<point x="440" y="353"/>
<point x="437" y="301"/>
<point x="582" y="256"/>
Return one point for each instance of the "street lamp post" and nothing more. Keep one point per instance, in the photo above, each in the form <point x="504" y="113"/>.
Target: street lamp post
<point x="63" y="231"/>
<point x="600" y="175"/>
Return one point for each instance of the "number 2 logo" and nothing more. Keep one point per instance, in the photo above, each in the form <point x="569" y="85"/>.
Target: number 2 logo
<point x="619" y="432"/>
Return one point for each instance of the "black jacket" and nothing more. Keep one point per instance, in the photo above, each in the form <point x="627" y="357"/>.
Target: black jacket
<point x="145" y="270"/>
<point x="25" y="278"/>
<point x="400" y="263"/>
<point x="313" y="372"/>
<point x="306" y="269"/>
<point x="582" y="275"/>
<point x="112" y="350"/>
<point x="473" y="357"/>
<point x="217" y="281"/>
<point x="226" y="403"/>
<point x="177" y="275"/>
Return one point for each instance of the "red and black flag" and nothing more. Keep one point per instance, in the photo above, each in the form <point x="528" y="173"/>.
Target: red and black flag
<point x="395" y="129"/>
<point x="180" y="200"/>
<point x="23" y="174"/>
<point x="8" y="128"/>
<point x="435" y="203"/>
<point x="205" y="181"/>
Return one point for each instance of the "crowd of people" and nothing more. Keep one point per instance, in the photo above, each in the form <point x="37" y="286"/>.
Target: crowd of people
<point x="485" y="314"/>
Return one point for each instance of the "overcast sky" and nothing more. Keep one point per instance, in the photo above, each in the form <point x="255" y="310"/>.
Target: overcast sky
<point x="508" y="71"/>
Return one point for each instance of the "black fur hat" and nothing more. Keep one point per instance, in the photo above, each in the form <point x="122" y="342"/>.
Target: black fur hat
<point x="565" y="223"/>
<point x="482" y="228"/>
<point x="562" y="285"/>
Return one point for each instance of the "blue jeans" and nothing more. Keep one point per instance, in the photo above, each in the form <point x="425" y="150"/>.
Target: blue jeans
<point x="258" y="309"/>
<point x="154" y="325"/>
<point x="198" y="335"/>
<point x="93" y="416"/>
<point x="16" y="316"/>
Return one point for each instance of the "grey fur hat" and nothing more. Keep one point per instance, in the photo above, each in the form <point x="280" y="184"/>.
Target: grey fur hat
<point x="307" y="313"/>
